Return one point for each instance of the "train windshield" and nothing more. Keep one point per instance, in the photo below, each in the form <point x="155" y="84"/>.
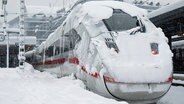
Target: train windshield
<point x="120" y="21"/>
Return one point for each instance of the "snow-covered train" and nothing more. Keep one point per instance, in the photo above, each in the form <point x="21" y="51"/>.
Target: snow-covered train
<point x="113" y="48"/>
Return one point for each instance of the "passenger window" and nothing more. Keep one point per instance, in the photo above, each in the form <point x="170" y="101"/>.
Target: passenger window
<point x="69" y="40"/>
<point x="57" y="47"/>
<point x="49" y="52"/>
<point x="57" y="51"/>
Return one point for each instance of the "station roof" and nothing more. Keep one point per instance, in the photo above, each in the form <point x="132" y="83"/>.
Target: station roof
<point x="166" y="9"/>
<point x="14" y="40"/>
<point x="170" y="18"/>
<point x="10" y="30"/>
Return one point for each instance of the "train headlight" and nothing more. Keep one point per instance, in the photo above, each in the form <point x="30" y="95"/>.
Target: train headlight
<point x="154" y="48"/>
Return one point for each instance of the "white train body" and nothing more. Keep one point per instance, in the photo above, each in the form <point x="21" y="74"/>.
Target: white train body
<point x="113" y="48"/>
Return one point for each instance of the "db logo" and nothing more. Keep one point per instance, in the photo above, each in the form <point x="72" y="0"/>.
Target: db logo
<point x="2" y="37"/>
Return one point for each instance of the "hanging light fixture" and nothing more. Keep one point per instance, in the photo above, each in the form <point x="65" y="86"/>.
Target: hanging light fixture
<point x="4" y="2"/>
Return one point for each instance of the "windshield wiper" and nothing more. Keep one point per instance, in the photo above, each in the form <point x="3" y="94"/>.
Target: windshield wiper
<point x="136" y="30"/>
<point x="140" y="27"/>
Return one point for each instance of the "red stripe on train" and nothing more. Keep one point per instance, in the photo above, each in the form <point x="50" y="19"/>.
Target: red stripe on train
<point x="58" y="61"/>
<point x="73" y="60"/>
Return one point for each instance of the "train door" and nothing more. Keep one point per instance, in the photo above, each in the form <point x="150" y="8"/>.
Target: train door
<point x="178" y="60"/>
<point x="13" y="60"/>
<point x="64" y="44"/>
<point x="2" y="61"/>
<point x="69" y="41"/>
<point x="3" y="56"/>
<point x="63" y="50"/>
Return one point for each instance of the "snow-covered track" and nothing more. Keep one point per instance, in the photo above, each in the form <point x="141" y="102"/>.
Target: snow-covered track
<point x="178" y="77"/>
<point x="177" y="84"/>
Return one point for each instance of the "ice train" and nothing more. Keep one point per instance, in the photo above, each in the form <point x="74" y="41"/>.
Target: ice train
<point x="113" y="48"/>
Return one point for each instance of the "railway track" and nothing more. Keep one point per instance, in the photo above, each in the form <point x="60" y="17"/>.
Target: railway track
<point x="177" y="84"/>
<point x="178" y="77"/>
<point x="178" y="80"/>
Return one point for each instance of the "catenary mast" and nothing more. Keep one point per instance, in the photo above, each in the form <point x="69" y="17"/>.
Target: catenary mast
<point x="21" y="35"/>
<point x="4" y="3"/>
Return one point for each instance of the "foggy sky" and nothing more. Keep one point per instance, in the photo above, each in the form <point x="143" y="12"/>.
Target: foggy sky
<point x="13" y="5"/>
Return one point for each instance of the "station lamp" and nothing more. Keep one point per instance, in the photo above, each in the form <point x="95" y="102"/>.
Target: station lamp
<point x="4" y="2"/>
<point x="1" y="13"/>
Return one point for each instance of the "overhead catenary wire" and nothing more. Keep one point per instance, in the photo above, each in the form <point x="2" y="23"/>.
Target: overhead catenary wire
<point x="56" y="1"/>
<point x="16" y="13"/>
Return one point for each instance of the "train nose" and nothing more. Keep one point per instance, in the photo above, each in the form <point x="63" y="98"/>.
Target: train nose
<point x="136" y="92"/>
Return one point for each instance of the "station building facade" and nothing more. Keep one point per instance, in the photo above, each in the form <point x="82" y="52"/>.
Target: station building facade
<point x="38" y="26"/>
<point x="30" y="43"/>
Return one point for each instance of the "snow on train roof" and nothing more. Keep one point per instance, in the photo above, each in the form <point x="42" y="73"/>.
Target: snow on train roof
<point x="103" y="9"/>
<point x="166" y="9"/>
<point x="98" y="10"/>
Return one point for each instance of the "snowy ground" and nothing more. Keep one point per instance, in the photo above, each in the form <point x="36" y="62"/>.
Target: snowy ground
<point x="174" y="96"/>
<point x="33" y="87"/>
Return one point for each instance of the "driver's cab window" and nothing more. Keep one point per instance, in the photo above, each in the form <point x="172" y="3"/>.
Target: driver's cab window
<point x="120" y="21"/>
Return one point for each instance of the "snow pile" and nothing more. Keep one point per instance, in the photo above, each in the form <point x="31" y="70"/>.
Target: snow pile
<point x="179" y="75"/>
<point x="33" y="87"/>
<point x="179" y="81"/>
<point x="174" y="96"/>
<point x="135" y="50"/>
<point x="88" y="9"/>
<point x="134" y="62"/>
<point x="105" y="9"/>
<point x="98" y="15"/>
<point x="179" y="78"/>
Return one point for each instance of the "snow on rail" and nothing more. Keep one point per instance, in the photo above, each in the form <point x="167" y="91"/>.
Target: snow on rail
<point x="179" y="77"/>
